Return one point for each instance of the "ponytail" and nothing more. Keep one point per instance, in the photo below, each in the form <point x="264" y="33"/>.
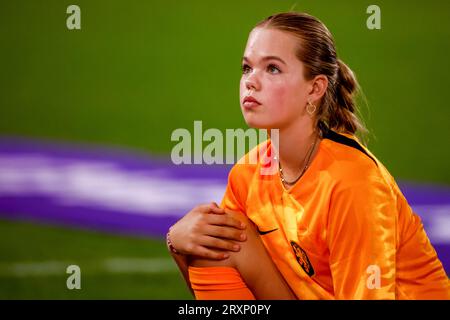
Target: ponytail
<point x="342" y="115"/>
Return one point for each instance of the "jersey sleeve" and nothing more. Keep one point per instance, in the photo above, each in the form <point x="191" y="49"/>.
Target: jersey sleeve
<point x="362" y="239"/>
<point x="234" y="197"/>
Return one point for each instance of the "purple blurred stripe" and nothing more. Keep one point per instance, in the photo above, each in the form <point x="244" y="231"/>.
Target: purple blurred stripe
<point x="443" y="252"/>
<point x="125" y="159"/>
<point x="45" y="209"/>
<point x="152" y="224"/>
<point x="40" y="209"/>
<point x="425" y="194"/>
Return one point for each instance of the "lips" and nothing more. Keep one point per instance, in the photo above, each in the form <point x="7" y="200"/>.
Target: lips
<point x="250" y="102"/>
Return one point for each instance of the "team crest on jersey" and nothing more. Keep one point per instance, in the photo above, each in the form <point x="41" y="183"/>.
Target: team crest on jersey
<point x="302" y="259"/>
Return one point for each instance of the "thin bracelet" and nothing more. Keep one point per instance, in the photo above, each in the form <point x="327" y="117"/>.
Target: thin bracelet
<point x="169" y="243"/>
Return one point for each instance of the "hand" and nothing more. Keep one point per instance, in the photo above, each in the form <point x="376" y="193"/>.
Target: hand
<point x="207" y="231"/>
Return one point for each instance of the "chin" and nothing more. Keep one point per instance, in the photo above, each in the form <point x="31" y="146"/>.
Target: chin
<point x="260" y="121"/>
<point x="255" y="124"/>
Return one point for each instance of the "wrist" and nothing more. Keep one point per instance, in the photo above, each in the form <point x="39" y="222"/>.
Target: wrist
<point x="169" y="243"/>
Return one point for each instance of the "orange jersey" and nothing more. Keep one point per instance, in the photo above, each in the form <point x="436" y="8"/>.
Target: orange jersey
<point x="218" y="283"/>
<point x="344" y="230"/>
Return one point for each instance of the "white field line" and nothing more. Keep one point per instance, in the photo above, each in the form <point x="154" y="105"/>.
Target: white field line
<point x="103" y="185"/>
<point x="90" y="267"/>
<point x="437" y="222"/>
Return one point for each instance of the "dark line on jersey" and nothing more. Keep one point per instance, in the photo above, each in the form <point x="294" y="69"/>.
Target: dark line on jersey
<point x="265" y="232"/>
<point x="339" y="138"/>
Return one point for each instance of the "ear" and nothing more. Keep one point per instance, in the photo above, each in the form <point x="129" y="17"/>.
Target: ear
<point x="318" y="88"/>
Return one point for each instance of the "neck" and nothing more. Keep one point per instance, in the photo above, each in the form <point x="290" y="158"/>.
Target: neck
<point x="295" y="143"/>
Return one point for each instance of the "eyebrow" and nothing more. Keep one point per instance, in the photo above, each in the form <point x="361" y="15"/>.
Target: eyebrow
<point x="266" y="58"/>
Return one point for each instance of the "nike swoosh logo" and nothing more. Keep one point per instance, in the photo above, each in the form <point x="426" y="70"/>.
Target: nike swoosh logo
<point x="265" y="232"/>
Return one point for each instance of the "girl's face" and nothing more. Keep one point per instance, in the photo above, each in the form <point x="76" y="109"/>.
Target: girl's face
<point x="272" y="75"/>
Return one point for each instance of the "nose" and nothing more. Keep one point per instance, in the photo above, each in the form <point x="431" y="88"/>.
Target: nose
<point x="252" y="82"/>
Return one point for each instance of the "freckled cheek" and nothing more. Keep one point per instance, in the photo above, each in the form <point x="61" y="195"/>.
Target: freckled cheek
<point x="277" y="97"/>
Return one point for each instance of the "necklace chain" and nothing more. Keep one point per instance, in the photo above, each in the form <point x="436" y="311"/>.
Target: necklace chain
<point x="308" y="156"/>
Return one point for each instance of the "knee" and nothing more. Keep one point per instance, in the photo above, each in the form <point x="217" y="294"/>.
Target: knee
<point x="252" y="240"/>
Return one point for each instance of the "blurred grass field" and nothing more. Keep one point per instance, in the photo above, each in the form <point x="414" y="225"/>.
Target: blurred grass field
<point x="137" y="70"/>
<point x="34" y="258"/>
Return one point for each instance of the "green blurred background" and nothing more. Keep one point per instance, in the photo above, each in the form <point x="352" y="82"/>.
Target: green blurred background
<point x="137" y="70"/>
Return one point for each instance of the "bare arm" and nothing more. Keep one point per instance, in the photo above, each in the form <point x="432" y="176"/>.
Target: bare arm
<point x="182" y="263"/>
<point x="206" y="231"/>
<point x="259" y="271"/>
<point x="255" y="266"/>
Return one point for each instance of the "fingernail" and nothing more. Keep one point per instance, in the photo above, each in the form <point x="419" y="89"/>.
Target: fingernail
<point x="242" y="236"/>
<point x="242" y="225"/>
<point x="236" y="247"/>
<point x="225" y="255"/>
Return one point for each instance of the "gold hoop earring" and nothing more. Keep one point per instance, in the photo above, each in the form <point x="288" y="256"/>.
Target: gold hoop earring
<point x="308" y="109"/>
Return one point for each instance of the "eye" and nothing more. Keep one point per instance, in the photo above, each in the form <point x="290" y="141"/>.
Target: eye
<point x="245" y="68"/>
<point x="273" y="69"/>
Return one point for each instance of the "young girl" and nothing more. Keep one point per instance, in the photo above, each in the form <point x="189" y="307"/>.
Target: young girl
<point x="331" y="223"/>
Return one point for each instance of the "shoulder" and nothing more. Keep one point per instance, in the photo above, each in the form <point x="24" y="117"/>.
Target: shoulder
<point x="359" y="182"/>
<point x="351" y="164"/>
<point x="243" y="171"/>
<point x="242" y="175"/>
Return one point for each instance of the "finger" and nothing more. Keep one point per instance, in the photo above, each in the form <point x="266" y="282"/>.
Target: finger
<point x="216" y="243"/>
<point x="211" y="254"/>
<point x="205" y="208"/>
<point x="216" y="209"/>
<point x="225" y="220"/>
<point x="226" y="233"/>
